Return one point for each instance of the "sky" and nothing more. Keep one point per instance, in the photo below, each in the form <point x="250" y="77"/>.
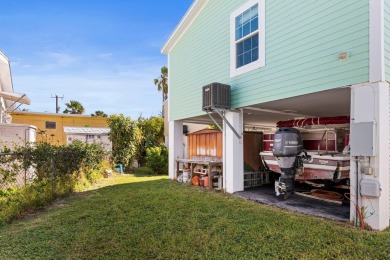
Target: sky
<point x="102" y="53"/>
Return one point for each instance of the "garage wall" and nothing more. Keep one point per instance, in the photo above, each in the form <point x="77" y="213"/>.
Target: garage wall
<point x="303" y="43"/>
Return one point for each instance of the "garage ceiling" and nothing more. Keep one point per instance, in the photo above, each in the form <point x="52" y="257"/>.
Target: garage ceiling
<point x="335" y="102"/>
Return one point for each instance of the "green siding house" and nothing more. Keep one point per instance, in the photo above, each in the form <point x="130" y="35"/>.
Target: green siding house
<point x="285" y="59"/>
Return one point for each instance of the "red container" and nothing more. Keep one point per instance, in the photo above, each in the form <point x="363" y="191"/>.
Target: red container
<point x="268" y="137"/>
<point x="268" y="145"/>
<point x="206" y="181"/>
<point x="268" y="142"/>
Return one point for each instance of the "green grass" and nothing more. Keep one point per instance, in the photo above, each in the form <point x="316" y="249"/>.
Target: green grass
<point x="150" y="217"/>
<point x="142" y="171"/>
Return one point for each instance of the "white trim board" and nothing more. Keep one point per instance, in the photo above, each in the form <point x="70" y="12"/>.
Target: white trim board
<point x="190" y="16"/>
<point x="377" y="41"/>
<point x="4" y="58"/>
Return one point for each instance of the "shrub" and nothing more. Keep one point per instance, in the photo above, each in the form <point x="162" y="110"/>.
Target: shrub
<point x="157" y="159"/>
<point x="58" y="170"/>
<point x="150" y="133"/>
<point x="63" y="160"/>
<point x="123" y="138"/>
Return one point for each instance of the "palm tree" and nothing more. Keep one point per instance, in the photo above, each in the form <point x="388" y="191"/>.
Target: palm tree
<point x="99" y="113"/>
<point x="162" y="82"/>
<point x="74" y="107"/>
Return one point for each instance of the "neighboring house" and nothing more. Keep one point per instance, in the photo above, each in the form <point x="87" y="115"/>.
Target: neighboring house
<point x="287" y="59"/>
<point x="11" y="134"/>
<point x="16" y="135"/>
<point x="89" y="135"/>
<point x="50" y="127"/>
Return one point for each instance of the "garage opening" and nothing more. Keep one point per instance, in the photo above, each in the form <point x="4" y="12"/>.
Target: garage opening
<point x="322" y="185"/>
<point x="321" y="179"/>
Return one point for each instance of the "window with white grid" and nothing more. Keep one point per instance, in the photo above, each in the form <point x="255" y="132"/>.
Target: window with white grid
<point x="247" y="47"/>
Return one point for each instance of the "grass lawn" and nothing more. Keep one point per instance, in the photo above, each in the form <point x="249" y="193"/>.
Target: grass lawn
<point x="148" y="217"/>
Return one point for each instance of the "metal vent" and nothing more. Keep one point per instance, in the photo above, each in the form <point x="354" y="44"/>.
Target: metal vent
<point x="216" y="95"/>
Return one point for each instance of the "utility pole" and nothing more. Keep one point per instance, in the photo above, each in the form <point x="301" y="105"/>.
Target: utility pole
<point x="57" y="97"/>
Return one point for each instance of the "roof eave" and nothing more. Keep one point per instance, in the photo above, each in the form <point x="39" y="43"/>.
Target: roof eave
<point x="4" y="57"/>
<point x="185" y="22"/>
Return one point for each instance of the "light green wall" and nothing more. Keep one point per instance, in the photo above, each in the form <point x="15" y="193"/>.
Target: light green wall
<point x="387" y="40"/>
<point x="303" y="41"/>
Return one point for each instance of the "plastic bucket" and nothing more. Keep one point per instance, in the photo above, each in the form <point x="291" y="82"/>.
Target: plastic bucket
<point x="186" y="175"/>
<point x="119" y="168"/>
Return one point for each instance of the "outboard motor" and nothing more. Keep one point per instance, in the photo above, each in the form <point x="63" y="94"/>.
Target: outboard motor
<point x="287" y="149"/>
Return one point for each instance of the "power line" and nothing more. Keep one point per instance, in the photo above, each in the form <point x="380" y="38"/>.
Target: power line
<point x="57" y="97"/>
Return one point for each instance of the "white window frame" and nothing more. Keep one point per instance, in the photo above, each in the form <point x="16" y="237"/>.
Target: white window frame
<point x="234" y="71"/>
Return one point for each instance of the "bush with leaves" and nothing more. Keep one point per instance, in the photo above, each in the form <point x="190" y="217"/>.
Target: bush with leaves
<point x="150" y="133"/>
<point x="62" y="160"/>
<point x="57" y="172"/>
<point x="123" y="137"/>
<point x="157" y="159"/>
<point x="9" y="167"/>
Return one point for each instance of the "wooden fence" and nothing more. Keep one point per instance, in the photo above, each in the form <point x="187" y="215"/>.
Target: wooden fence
<point x="205" y="142"/>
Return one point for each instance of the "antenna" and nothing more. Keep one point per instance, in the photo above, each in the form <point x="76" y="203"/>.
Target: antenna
<point x="57" y="97"/>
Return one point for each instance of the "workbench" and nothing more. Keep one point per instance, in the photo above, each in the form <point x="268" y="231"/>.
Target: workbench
<point x="193" y="163"/>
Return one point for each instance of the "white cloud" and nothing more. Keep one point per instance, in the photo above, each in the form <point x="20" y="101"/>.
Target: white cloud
<point x="105" y="55"/>
<point x="121" y="85"/>
<point x="16" y="62"/>
<point x="51" y="61"/>
<point x="62" y="59"/>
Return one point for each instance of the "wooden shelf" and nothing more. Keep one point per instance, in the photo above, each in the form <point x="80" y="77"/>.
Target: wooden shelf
<point x="201" y="173"/>
<point x="193" y="163"/>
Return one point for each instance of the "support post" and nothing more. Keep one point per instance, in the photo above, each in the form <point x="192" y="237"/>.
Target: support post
<point x="233" y="153"/>
<point x="370" y="104"/>
<point x="176" y="146"/>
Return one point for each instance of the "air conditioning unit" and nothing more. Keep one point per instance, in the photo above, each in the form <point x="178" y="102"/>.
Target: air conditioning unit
<point x="216" y="95"/>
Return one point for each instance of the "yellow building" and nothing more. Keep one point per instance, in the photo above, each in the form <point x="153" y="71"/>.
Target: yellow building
<point x="50" y="127"/>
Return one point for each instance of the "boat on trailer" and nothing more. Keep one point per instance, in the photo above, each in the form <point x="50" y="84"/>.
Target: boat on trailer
<point x="326" y="140"/>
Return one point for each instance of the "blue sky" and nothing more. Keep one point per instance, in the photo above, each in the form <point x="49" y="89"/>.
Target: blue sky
<point x="104" y="54"/>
